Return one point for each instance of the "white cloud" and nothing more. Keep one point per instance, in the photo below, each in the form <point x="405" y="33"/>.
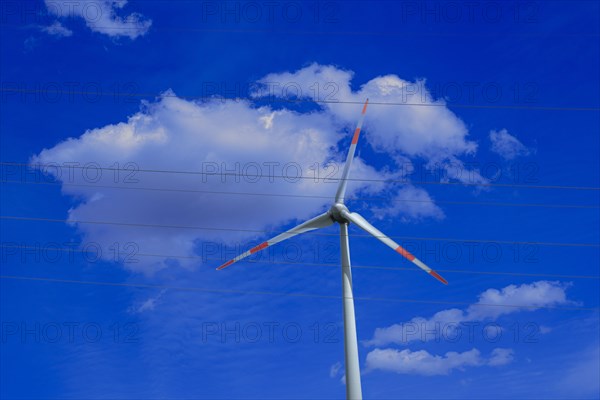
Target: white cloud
<point x="102" y="16"/>
<point x="335" y="368"/>
<point x="179" y="135"/>
<point x="410" y="203"/>
<point x="428" y="129"/>
<point x="57" y="29"/>
<point x="415" y="126"/>
<point x="537" y="294"/>
<point x="149" y="304"/>
<point x="490" y="305"/>
<point x="424" y="363"/>
<point x="501" y="357"/>
<point x="506" y="145"/>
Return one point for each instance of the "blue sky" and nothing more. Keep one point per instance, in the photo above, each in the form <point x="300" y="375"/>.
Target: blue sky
<point x="479" y="154"/>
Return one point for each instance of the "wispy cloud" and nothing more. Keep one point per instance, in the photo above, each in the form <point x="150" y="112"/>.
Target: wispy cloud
<point x="507" y="145"/>
<point x="487" y="307"/>
<point x="102" y="16"/>
<point x="148" y="304"/>
<point x="57" y="29"/>
<point x="491" y="304"/>
<point x="580" y="376"/>
<point x="424" y="363"/>
<point x="335" y="369"/>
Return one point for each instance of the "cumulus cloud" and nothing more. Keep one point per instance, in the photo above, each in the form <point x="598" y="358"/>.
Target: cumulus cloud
<point x="102" y="16"/>
<point x="490" y="305"/>
<point x="424" y="363"/>
<point x="232" y="141"/>
<point x="412" y="124"/>
<point x="507" y="145"/>
<point x="534" y="295"/>
<point x="418" y="125"/>
<point x="57" y="29"/>
<point x="238" y="152"/>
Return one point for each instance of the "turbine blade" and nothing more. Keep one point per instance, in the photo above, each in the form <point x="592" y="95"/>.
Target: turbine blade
<point x="364" y="224"/>
<point x="341" y="190"/>
<point x="321" y="221"/>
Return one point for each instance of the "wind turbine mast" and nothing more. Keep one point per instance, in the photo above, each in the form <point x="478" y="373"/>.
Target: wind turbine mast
<point x="339" y="213"/>
<point x="353" y="386"/>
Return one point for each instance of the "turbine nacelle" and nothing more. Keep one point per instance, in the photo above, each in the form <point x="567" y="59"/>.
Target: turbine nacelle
<point x="336" y="213"/>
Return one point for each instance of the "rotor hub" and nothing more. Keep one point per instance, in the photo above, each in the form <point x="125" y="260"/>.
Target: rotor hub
<point x="336" y="213"/>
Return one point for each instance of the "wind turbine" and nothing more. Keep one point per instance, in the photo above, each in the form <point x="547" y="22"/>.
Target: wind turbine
<point x="339" y="213"/>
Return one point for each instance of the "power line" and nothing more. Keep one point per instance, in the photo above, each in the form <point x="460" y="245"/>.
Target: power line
<point x="508" y="185"/>
<point x="408" y="34"/>
<point x="272" y="99"/>
<point x="270" y="293"/>
<point x="315" y="264"/>
<point x="482" y="203"/>
<point x="513" y="242"/>
<point x="339" y="33"/>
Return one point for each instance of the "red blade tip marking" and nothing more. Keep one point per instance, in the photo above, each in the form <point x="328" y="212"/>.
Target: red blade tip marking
<point x="227" y="264"/>
<point x="365" y="106"/>
<point x="259" y="247"/>
<point x="438" y="277"/>
<point x="405" y="253"/>
<point x="355" y="137"/>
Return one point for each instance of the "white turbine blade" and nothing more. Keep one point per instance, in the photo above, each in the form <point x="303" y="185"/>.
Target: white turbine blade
<point x="364" y="224"/>
<point x="341" y="191"/>
<point x="321" y="221"/>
